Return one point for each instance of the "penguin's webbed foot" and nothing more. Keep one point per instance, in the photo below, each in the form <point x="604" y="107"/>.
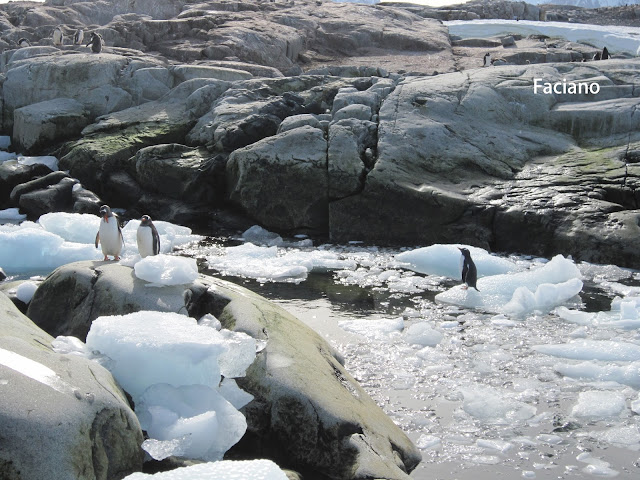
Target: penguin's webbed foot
<point x="464" y="287"/>
<point x="106" y="259"/>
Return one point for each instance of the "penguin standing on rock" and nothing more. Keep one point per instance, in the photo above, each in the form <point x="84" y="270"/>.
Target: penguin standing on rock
<point x="605" y="54"/>
<point x="23" y="43"/>
<point x="109" y="235"/>
<point x="96" y="42"/>
<point x="487" y="60"/>
<point x="469" y="270"/>
<point x="58" y="36"/>
<point x="147" y="237"/>
<point x="78" y="37"/>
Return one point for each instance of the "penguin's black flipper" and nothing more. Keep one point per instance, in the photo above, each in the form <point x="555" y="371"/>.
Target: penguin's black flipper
<point x="97" y="239"/>
<point x="156" y="239"/>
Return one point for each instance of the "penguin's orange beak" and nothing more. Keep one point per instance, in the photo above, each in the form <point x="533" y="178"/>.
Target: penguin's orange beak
<point x="106" y="219"/>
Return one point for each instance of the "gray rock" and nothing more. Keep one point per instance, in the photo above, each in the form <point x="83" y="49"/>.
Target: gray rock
<point x="13" y="174"/>
<point x="41" y="124"/>
<point x="296" y="121"/>
<point x="53" y="198"/>
<point x="308" y="412"/>
<point x="85" y="201"/>
<point x="296" y="158"/>
<point x="96" y="434"/>
<point x="357" y="111"/>
<point x="182" y="73"/>
<point x="40" y="183"/>
<point x="508" y="41"/>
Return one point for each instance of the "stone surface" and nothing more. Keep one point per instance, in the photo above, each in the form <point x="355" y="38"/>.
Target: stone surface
<point x="39" y="124"/>
<point x="308" y="413"/>
<point x="296" y="158"/>
<point x="61" y="416"/>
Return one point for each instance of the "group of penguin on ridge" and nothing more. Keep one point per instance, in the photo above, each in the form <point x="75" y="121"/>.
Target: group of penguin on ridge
<point x="95" y="40"/>
<point x="604" y="55"/>
<point x="110" y="238"/>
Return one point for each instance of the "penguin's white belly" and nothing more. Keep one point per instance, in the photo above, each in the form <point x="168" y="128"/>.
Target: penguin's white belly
<point x="110" y="240"/>
<point x="144" y="237"/>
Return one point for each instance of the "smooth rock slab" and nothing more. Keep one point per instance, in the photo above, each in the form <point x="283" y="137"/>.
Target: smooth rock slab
<point x="61" y="416"/>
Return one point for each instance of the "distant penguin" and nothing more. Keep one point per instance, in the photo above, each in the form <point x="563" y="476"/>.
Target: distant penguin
<point x="78" y="37"/>
<point x="469" y="271"/>
<point x="23" y="42"/>
<point x="58" y="36"/>
<point x="605" y="54"/>
<point x="96" y="42"/>
<point x="597" y="56"/>
<point x="487" y="60"/>
<point x="147" y="237"/>
<point x="109" y="235"/>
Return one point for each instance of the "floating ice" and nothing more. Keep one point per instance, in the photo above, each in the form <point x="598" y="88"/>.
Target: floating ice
<point x="426" y="442"/>
<point x="575" y="316"/>
<point x="541" y="288"/>
<point x="259" y="236"/>
<point x="225" y="470"/>
<point x="492" y="444"/>
<point x="4" y="156"/>
<point x="597" y="467"/>
<point x="625" y="375"/>
<point x="171" y="235"/>
<point x="271" y="264"/>
<point x="444" y="260"/>
<point x="11" y="215"/>
<point x="606" y="350"/>
<point x="491" y="406"/>
<point x="172" y="368"/>
<point x="374" y="328"/>
<point x="423" y="334"/>
<point x="597" y="404"/>
<point x="26" y="290"/>
<point x="167" y="270"/>
<point x="621" y="436"/>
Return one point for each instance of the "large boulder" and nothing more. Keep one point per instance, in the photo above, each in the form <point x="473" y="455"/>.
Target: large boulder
<point x="443" y="176"/>
<point x="282" y="180"/>
<point x="44" y="123"/>
<point x="61" y="416"/>
<point x="308" y="412"/>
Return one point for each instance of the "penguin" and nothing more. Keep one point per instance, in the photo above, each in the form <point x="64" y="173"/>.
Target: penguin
<point x="469" y="271"/>
<point x="78" y="37"/>
<point x="605" y="54"/>
<point x="58" y="36"/>
<point x="487" y="60"/>
<point x="597" y="56"/>
<point x="109" y="235"/>
<point x="147" y="237"/>
<point x="96" y="42"/>
<point x="23" y="42"/>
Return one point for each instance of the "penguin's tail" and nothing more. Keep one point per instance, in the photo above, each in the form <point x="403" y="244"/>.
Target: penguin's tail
<point x="476" y="289"/>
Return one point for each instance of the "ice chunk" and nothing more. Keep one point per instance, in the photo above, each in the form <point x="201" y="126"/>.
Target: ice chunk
<point x="146" y="348"/>
<point x="620" y="436"/>
<point x="575" y="316"/>
<point x="625" y="375"/>
<point x="233" y="394"/>
<point x="72" y="227"/>
<point x="167" y="270"/>
<point x="26" y="290"/>
<point x="597" y="404"/>
<point x="606" y="350"/>
<point x="171" y="235"/>
<point x="426" y="442"/>
<point x="444" y="260"/>
<point x="225" y="470"/>
<point x="192" y="421"/>
<point x="541" y="288"/>
<point x="11" y="215"/>
<point x="260" y="236"/>
<point x="271" y="264"/>
<point x="374" y="328"/>
<point x="29" y="248"/>
<point x="492" y="444"/>
<point x="492" y="406"/>
<point x="422" y="334"/>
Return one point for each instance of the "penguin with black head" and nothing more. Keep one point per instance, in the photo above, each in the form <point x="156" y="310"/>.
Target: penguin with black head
<point x="605" y="54"/>
<point x="147" y="237"/>
<point x="96" y="42"/>
<point x="469" y="270"/>
<point x="487" y="60"/>
<point x="109" y="235"/>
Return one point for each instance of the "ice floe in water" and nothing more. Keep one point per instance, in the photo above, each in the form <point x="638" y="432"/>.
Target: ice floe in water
<point x="539" y="289"/>
<point x="444" y="260"/>
<point x="225" y="470"/>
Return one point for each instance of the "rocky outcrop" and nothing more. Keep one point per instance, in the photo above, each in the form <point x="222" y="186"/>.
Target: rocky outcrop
<point x="61" y="416"/>
<point x="308" y="414"/>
